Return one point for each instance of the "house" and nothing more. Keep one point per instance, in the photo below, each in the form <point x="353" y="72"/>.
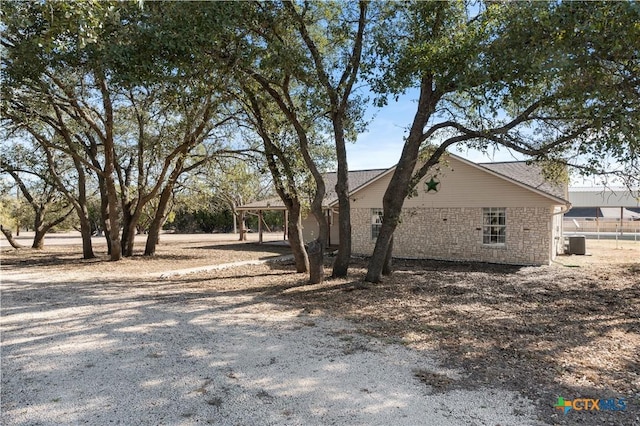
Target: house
<point x="493" y="212"/>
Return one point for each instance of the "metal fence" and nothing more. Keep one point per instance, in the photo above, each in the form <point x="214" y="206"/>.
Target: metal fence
<point x="600" y="225"/>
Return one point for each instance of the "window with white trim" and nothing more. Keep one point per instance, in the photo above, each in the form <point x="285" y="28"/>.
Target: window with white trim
<point x="376" y="223"/>
<point x="494" y="225"/>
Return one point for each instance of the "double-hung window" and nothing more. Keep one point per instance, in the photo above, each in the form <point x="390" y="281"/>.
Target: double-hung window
<point x="494" y="226"/>
<point x="376" y="223"/>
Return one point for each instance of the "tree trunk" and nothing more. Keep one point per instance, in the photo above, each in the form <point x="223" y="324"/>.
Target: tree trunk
<point x="377" y="260"/>
<point x="316" y="261"/>
<point x="104" y="212"/>
<point x="9" y="237"/>
<point x="315" y="249"/>
<point x="129" y="231"/>
<point x="341" y="263"/>
<point x="316" y="264"/>
<point x="296" y="241"/>
<point x="153" y="237"/>
<point x="85" y="232"/>
<point x="400" y="183"/>
<point x="109" y="167"/>
<point x="339" y="99"/>
<point x="82" y="210"/>
<point x="40" y="230"/>
<point x="38" y="239"/>
<point x="42" y="227"/>
<point x="243" y="232"/>
<point x="387" y="268"/>
<point x="113" y="223"/>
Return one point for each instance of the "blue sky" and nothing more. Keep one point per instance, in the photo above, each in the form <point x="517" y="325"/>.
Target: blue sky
<point x="381" y="145"/>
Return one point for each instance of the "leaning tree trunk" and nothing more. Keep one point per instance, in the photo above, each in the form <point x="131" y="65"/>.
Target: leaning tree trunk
<point x="401" y="181"/>
<point x="296" y="241"/>
<point x="38" y="238"/>
<point x="379" y="256"/>
<point x="153" y="237"/>
<point x="42" y="227"/>
<point x="387" y="267"/>
<point x="393" y="201"/>
<point x="9" y="236"/>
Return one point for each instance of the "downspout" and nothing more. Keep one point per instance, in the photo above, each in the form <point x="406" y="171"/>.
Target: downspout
<point x="568" y="206"/>
<point x="561" y="236"/>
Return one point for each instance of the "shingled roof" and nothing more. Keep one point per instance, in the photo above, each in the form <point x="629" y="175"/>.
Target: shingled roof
<point x="529" y="174"/>
<point x="357" y="178"/>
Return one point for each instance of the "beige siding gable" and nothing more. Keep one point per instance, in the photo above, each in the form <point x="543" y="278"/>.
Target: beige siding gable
<point x="461" y="185"/>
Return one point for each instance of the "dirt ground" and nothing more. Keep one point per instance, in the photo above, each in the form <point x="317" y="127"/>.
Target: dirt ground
<point x="571" y="329"/>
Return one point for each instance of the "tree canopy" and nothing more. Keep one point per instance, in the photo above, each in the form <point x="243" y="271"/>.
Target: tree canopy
<point x="488" y="77"/>
<point x="138" y="94"/>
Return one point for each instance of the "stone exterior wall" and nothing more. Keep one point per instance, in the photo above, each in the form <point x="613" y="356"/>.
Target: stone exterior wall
<point x="456" y="234"/>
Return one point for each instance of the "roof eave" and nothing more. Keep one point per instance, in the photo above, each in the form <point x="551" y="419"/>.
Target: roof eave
<point x="367" y="183"/>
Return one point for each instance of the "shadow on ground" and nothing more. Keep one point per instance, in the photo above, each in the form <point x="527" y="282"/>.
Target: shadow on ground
<point x="202" y="350"/>
<point x="543" y="332"/>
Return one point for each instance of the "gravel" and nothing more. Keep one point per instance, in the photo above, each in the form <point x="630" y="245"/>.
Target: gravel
<point x="111" y="349"/>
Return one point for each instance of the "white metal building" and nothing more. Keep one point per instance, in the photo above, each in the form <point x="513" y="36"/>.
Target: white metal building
<point x="604" y="197"/>
<point x="614" y="209"/>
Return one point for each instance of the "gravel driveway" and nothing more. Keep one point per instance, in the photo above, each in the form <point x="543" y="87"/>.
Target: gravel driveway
<point x="78" y="349"/>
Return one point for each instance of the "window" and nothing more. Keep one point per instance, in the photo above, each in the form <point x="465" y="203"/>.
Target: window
<point x="494" y="225"/>
<point x="376" y="222"/>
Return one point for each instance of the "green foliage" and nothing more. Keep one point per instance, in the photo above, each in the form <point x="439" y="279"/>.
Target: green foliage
<point x="8" y="209"/>
<point x="558" y="81"/>
<point x="206" y="220"/>
<point x="201" y="221"/>
<point x="554" y="80"/>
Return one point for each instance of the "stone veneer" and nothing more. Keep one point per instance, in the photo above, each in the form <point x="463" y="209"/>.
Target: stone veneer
<point x="456" y="234"/>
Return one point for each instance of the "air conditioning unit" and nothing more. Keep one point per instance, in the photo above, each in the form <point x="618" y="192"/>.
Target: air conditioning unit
<point x="577" y="245"/>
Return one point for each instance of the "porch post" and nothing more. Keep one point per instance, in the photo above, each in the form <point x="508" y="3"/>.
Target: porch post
<point x="286" y="224"/>
<point x="329" y="227"/>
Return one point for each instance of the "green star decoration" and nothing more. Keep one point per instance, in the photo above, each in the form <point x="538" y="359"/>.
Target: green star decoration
<point x="432" y="185"/>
